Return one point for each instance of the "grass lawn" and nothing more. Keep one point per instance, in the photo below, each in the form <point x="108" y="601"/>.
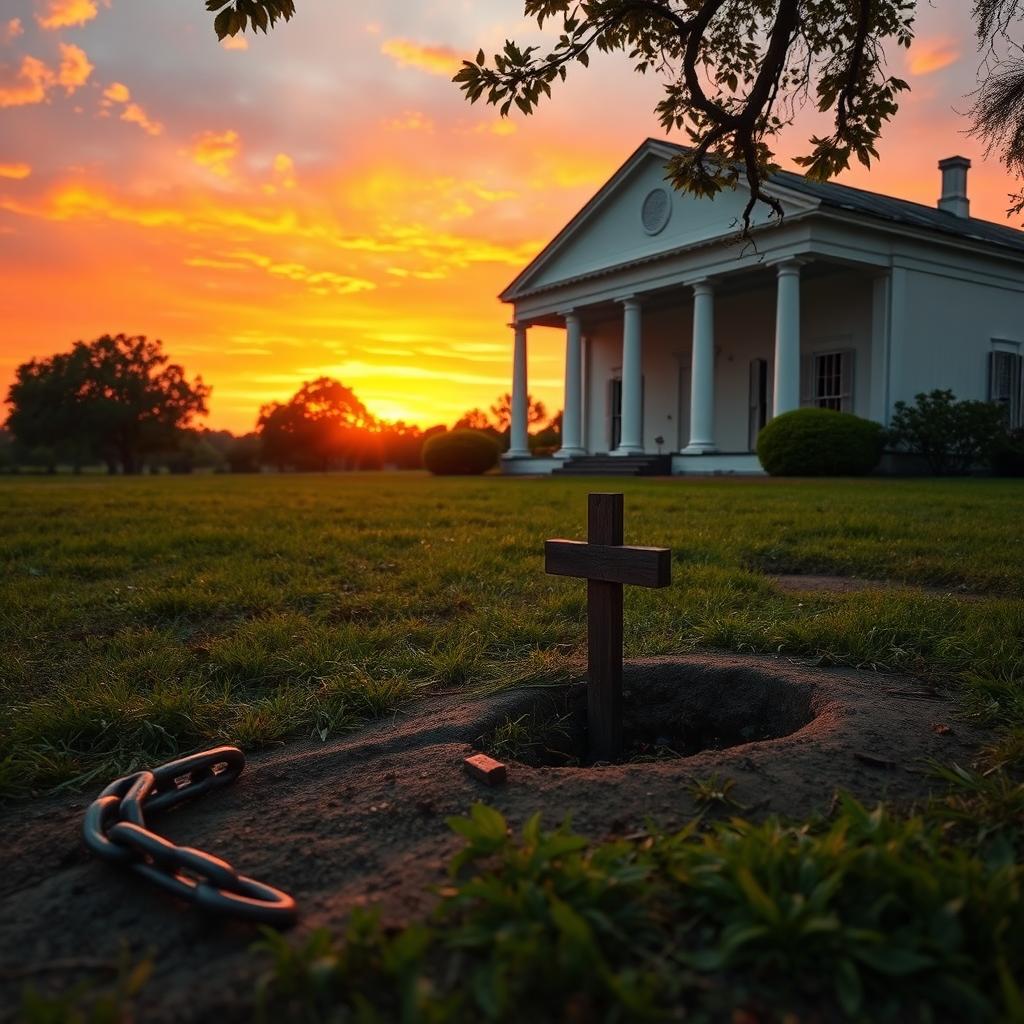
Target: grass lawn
<point x="140" y="618"/>
<point x="143" y="617"/>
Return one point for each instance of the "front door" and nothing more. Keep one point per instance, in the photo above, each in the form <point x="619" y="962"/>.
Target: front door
<point x="758" y="403"/>
<point x="614" y="412"/>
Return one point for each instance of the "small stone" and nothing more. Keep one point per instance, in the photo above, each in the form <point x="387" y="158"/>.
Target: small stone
<point x="486" y="769"/>
<point x="941" y="730"/>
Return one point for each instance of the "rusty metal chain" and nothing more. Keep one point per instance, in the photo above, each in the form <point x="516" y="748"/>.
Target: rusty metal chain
<point x="115" y="830"/>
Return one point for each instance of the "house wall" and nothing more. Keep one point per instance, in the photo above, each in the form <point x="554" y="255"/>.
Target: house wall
<point x="943" y="328"/>
<point x="836" y="312"/>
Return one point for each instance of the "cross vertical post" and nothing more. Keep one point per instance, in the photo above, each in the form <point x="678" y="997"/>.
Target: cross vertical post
<point x="604" y="634"/>
<point x="606" y="564"/>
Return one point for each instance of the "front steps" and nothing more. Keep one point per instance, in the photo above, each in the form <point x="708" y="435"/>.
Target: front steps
<point x="616" y="465"/>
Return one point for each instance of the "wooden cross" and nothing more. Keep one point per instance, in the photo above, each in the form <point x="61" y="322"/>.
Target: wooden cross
<point x="606" y="564"/>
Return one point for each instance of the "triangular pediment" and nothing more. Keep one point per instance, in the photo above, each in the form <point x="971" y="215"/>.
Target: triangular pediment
<point x="636" y="215"/>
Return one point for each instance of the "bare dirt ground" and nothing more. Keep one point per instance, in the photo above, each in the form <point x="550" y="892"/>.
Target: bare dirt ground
<point x="361" y="820"/>
<point x="815" y="584"/>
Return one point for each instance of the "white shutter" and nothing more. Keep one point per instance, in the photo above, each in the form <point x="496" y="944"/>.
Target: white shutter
<point x="1018" y="378"/>
<point x="993" y="369"/>
<point x="753" y="394"/>
<point x="846" y="386"/>
<point x="609" y="398"/>
<point x="1006" y="384"/>
<point x="807" y="370"/>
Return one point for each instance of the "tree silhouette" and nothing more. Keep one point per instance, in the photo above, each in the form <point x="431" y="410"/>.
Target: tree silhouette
<point x="115" y="398"/>
<point x="323" y="425"/>
<point x="473" y="419"/>
<point x="502" y="411"/>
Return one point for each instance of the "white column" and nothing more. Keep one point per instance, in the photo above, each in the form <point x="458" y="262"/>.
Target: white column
<point x="702" y="374"/>
<point x="631" y="441"/>
<point x="787" y="338"/>
<point x="572" y="409"/>
<point x="519" y="441"/>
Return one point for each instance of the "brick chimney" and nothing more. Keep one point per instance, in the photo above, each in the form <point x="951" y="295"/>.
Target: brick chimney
<point x="954" y="198"/>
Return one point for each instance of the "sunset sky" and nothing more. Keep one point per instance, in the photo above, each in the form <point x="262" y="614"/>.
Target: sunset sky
<point x="322" y="200"/>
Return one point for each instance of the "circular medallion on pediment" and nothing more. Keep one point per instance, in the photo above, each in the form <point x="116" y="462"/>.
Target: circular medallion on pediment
<point x="656" y="211"/>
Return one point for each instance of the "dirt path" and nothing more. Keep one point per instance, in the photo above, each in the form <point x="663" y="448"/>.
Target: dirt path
<point x="798" y="583"/>
<point x="362" y="820"/>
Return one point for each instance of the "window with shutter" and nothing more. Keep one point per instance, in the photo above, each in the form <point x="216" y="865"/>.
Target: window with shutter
<point x="1005" y="383"/>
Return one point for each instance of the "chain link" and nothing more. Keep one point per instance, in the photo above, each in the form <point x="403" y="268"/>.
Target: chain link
<point x="115" y="830"/>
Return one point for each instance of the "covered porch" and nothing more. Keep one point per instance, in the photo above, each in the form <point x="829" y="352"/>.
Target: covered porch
<point x="694" y="369"/>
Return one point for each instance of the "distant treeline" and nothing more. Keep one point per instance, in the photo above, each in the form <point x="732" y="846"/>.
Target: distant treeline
<point x="119" y="403"/>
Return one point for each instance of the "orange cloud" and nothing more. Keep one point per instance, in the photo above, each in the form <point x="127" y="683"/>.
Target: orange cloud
<point x="29" y="84"/>
<point x="216" y="151"/>
<point x="11" y="30"/>
<point x="436" y="60"/>
<point x="284" y="170"/>
<point x="499" y="127"/>
<point x="75" y="68"/>
<point x="320" y="282"/>
<point x="116" y="92"/>
<point x="238" y="42"/>
<point x="65" y="13"/>
<point x="33" y="80"/>
<point x="931" y="55"/>
<point x="134" y="114"/>
<point x="411" y="121"/>
<point x="16" y="171"/>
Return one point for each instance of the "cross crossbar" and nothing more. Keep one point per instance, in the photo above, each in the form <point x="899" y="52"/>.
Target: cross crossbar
<point x="606" y="564"/>
<point x="638" y="566"/>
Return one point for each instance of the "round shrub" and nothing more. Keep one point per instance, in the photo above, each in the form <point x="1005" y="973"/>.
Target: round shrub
<point x="820" y="442"/>
<point x="460" y="453"/>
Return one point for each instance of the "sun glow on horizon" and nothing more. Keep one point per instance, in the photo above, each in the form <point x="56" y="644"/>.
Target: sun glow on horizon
<point x="323" y="200"/>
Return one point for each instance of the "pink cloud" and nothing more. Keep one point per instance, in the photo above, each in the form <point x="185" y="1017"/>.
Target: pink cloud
<point x="11" y="30"/>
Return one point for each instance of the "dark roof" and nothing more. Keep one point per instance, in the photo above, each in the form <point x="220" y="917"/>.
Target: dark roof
<point x="898" y="211"/>
<point x="902" y="211"/>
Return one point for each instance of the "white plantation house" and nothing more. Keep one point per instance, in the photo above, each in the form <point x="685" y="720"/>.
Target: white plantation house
<point x="683" y="341"/>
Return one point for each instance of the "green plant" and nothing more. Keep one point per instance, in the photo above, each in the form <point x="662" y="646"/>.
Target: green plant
<point x="460" y="453"/>
<point x="952" y="436"/>
<point x="871" y="915"/>
<point x="88" y="1002"/>
<point x="819" y="442"/>
<point x="712" y="792"/>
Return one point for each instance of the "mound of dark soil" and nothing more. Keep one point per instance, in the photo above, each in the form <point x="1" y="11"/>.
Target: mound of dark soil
<point x="361" y="819"/>
<point x="671" y="709"/>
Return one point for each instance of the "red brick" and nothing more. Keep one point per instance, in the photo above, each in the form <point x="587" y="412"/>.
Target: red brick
<point x="486" y="769"/>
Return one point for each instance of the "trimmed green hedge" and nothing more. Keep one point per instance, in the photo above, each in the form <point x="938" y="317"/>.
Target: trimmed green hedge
<point x="820" y="442"/>
<point x="460" y="453"/>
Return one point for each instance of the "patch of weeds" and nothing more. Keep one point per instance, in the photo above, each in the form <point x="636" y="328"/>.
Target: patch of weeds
<point x="870" y="915"/>
<point x="90" y="1002"/>
<point x="712" y="792"/>
<point x="543" y="735"/>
